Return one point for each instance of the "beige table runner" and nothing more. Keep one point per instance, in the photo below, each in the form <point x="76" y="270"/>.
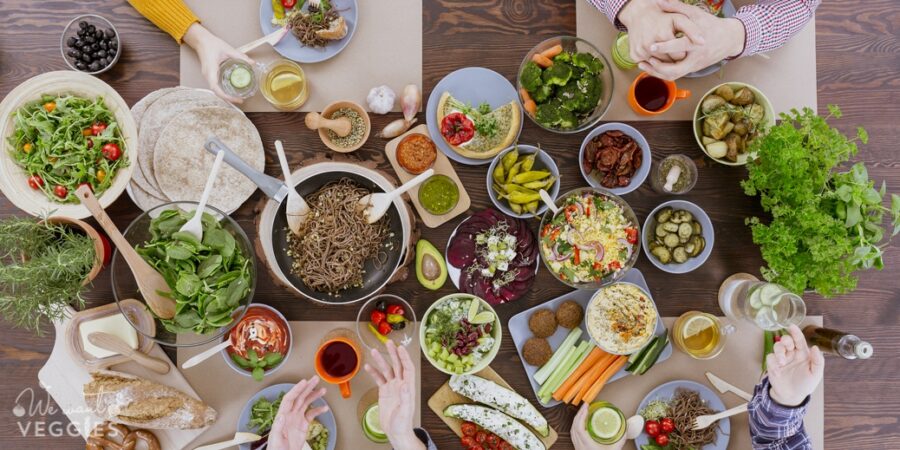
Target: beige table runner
<point x="221" y="387"/>
<point x="386" y="49"/>
<point x="788" y="77"/>
<point x="739" y="364"/>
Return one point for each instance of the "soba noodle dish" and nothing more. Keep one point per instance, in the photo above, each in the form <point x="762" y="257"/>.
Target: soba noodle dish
<point x="335" y="242"/>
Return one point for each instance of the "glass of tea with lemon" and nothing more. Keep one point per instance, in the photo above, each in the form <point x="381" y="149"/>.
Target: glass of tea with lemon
<point x="700" y="335"/>
<point x="285" y="85"/>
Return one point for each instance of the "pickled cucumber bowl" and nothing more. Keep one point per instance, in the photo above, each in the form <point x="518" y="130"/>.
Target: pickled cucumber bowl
<point x="694" y="259"/>
<point x="515" y="177"/>
<point x="460" y="334"/>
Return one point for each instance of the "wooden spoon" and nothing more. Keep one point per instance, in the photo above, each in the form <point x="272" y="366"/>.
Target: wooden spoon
<point x="297" y="209"/>
<point x="272" y="39"/>
<point x="114" y="343"/>
<point x="149" y="281"/>
<point x="200" y="357"/>
<point x="341" y="126"/>
<point x="374" y="206"/>
<point x="545" y="196"/>
<point x="239" y="438"/>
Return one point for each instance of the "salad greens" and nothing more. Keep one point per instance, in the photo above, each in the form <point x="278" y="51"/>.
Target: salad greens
<point x="565" y="92"/>
<point x="826" y="223"/>
<point x="256" y="365"/>
<point x="209" y="279"/>
<point x="65" y="141"/>
<point x="262" y="414"/>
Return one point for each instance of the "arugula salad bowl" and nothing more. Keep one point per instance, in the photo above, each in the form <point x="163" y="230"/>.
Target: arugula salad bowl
<point x="212" y="281"/>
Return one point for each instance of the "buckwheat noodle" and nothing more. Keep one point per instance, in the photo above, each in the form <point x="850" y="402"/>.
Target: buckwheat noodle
<point x="334" y="243"/>
<point x="684" y="407"/>
<point x="304" y="26"/>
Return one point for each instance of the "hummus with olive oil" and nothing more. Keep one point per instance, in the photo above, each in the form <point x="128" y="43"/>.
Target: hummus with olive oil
<point x="621" y="318"/>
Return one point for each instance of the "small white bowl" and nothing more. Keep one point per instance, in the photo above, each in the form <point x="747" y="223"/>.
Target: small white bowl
<point x="230" y="362"/>
<point x="646" y="157"/>
<point x="543" y="161"/>
<point x="708" y="234"/>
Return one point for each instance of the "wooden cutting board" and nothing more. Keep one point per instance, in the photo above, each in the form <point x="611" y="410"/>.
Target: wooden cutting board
<point x="63" y="377"/>
<point x="445" y="397"/>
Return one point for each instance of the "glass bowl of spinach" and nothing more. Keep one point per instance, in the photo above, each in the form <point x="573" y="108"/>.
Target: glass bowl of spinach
<point x="212" y="281"/>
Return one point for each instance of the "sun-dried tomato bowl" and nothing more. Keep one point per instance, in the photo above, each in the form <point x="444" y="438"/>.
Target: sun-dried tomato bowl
<point x="641" y="172"/>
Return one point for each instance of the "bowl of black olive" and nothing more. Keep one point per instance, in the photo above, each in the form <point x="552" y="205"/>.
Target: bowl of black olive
<point x="90" y="44"/>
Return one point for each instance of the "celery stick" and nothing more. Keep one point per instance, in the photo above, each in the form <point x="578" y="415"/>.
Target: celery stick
<point x="568" y="344"/>
<point x="569" y="357"/>
<point x="570" y="365"/>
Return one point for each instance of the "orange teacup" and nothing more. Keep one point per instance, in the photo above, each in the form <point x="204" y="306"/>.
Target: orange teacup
<point x="337" y="362"/>
<point x="650" y="96"/>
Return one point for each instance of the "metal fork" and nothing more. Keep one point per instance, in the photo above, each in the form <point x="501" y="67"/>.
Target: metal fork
<point x="702" y="422"/>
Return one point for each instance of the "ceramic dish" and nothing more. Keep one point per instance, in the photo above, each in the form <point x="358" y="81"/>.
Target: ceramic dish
<point x="291" y="48"/>
<point x="401" y="337"/>
<point x="13" y="180"/>
<point x="271" y="394"/>
<point x="270" y="370"/>
<point x="640" y="175"/>
<point x="71" y="30"/>
<point x="708" y="234"/>
<point x="495" y="332"/>
<point x="606" y="301"/>
<point x="472" y="85"/>
<point x="667" y="391"/>
<point x="519" y="331"/>
<point x="768" y="120"/>
<point x="543" y="161"/>
<point x="728" y="10"/>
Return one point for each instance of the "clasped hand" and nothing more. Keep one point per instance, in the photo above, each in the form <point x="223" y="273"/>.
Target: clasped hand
<point x="669" y="39"/>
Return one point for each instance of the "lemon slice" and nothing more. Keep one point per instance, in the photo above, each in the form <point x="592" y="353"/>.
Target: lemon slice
<point x="605" y="424"/>
<point x="697" y="325"/>
<point x="285" y="81"/>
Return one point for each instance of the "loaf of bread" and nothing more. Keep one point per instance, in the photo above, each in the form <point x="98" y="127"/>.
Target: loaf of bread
<point x="134" y="401"/>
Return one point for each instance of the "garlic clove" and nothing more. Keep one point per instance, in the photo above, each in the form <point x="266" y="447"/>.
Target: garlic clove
<point x="410" y="101"/>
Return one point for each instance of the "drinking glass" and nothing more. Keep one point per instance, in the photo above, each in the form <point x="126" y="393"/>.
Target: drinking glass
<point x="767" y="305"/>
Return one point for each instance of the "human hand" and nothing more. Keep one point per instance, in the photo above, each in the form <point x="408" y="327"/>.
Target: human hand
<point x="582" y="440"/>
<point x="722" y="38"/>
<point x="794" y="369"/>
<point x="649" y="24"/>
<point x="396" y="395"/>
<point x="212" y="51"/>
<point x="291" y="424"/>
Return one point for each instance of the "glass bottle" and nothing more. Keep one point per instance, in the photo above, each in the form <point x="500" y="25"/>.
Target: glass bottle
<point x="846" y="345"/>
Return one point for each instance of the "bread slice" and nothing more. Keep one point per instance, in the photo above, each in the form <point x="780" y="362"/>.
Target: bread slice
<point x="137" y="402"/>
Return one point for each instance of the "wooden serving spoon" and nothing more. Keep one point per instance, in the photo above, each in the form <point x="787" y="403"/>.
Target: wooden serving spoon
<point x="149" y="281"/>
<point x="114" y="343"/>
<point x="208" y="353"/>
<point x="374" y="206"/>
<point x="297" y="208"/>
<point x="341" y="126"/>
<point x="239" y="438"/>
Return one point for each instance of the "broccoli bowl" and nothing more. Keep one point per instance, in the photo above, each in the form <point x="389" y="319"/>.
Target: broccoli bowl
<point x="565" y="84"/>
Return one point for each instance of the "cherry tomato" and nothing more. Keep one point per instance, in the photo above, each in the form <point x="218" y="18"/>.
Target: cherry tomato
<point x="476" y="447"/>
<point x="101" y="175"/>
<point x="97" y="128"/>
<point x="662" y="440"/>
<point x="469" y="429"/>
<point x="395" y="309"/>
<point x="111" y="151"/>
<point x="60" y="191"/>
<point x="493" y="441"/>
<point x="35" y="182"/>
<point x="480" y="437"/>
<point x="631" y="235"/>
<point x="457" y="128"/>
<point x="615" y="265"/>
<point x="288" y="3"/>
<point x="468" y="442"/>
<point x="652" y="428"/>
<point x="377" y="317"/>
<point x="505" y="446"/>
<point x="88" y="186"/>
<point x="667" y="425"/>
<point x="384" y="328"/>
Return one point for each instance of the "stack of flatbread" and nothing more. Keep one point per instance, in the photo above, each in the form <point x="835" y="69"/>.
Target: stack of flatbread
<point x="172" y="165"/>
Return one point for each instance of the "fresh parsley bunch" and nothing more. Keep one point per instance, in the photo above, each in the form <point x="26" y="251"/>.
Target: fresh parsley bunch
<point x="826" y="223"/>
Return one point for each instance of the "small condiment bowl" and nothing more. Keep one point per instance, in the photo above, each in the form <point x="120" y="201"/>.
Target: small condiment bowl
<point x="402" y="337"/>
<point x="329" y="110"/>
<point x="72" y="30"/>
<point x="268" y="371"/>
<point x="698" y="124"/>
<point x="646" y="157"/>
<point x="543" y="161"/>
<point x="708" y="234"/>
<point x="658" y="179"/>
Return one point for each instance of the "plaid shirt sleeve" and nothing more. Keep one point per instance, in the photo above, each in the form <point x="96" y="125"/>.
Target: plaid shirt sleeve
<point x="774" y="426"/>
<point x="611" y="8"/>
<point x="770" y="23"/>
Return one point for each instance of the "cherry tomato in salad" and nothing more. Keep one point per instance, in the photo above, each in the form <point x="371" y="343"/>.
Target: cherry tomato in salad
<point x="493" y="441"/>
<point x="476" y="447"/>
<point x="36" y="182"/>
<point x="60" y="191"/>
<point x="480" y="437"/>
<point x="111" y="151"/>
<point x="631" y="235"/>
<point x="662" y="440"/>
<point x="457" y="129"/>
<point x="98" y="128"/>
<point x="288" y="3"/>
<point x="505" y="446"/>
<point x="652" y="428"/>
<point x="395" y="309"/>
<point x="667" y="425"/>
<point x="570" y="212"/>
<point x="468" y="442"/>
<point x="469" y="429"/>
<point x="615" y="265"/>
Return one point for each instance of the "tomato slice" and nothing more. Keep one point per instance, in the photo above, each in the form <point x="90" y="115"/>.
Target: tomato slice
<point x="457" y="129"/>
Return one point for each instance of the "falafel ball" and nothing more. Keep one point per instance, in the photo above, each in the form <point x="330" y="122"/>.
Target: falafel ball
<point x="537" y="351"/>
<point x="542" y="323"/>
<point x="569" y="314"/>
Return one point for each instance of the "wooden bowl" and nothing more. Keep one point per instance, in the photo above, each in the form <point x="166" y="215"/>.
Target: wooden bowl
<point x="13" y="180"/>
<point x="329" y="110"/>
<point x="99" y="246"/>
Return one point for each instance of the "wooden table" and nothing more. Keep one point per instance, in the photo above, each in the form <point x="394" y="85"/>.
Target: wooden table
<point x="858" y="61"/>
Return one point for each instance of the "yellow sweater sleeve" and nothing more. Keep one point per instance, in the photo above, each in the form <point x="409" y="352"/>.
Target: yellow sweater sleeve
<point x="171" y="16"/>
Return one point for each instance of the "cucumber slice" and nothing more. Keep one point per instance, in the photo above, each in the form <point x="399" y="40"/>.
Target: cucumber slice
<point x="240" y="77"/>
<point x="755" y="300"/>
<point x="769" y="294"/>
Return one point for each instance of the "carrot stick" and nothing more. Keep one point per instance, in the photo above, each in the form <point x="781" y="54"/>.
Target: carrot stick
<point x="525" y="95"/>
<point x="607" y="374"/>
<point x="530" y="107"/>
<point x="589" y="362"/>
<point x="587" y="379"/>
<point x="542" y="60"/>
<point x="594" y="375"/>
<point x="552" y="51"/>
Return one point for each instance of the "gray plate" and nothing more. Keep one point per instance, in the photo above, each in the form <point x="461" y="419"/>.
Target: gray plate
<point x="667" y="391"/>
<point x="473" y="85"/>
<point x="291" y="48"/>
<point x="271" y="393"/>
<point x="727" y="11"/>
<point x="518" y="329"/>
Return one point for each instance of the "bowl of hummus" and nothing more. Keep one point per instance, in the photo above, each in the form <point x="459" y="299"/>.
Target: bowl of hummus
<point x="621" y="318"/>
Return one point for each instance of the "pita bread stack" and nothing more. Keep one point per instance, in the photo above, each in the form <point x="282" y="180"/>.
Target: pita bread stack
<point x="172" y="165"/>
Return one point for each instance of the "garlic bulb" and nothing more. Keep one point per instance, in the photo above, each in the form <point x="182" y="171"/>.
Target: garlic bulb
<point x="381" y="99"/>
<point x="411" y="101"/>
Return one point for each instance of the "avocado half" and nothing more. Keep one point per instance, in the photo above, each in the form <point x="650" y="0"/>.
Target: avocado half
<point x="431" y="270"/>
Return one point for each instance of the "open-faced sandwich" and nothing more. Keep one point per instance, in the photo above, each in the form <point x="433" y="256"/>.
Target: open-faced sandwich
<point x="477" y="132"/>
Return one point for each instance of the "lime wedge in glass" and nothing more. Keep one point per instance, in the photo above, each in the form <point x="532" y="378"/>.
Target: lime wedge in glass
<point x="606" y="424"/>
<point x="372" y="425"/>
<point x="621" y="52"/>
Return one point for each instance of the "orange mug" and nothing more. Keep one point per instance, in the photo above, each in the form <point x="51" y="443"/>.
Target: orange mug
<point x="338" y="361"/>
<point x="672" y="93"/>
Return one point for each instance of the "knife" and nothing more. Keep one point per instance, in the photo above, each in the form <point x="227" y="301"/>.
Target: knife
<point x="723" y="387"/>
<point x="271" y="186"/>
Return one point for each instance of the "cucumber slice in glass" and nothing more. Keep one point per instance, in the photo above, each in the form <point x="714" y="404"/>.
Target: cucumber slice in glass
<point x="240" y="77"/>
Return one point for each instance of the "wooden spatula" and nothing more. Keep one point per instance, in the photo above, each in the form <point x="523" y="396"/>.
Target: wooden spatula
<point x="114" y="343"/>
<point x="149" y="281"/>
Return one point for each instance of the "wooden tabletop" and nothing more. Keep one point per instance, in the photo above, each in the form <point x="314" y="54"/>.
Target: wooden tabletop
<point x="858" y="60"/>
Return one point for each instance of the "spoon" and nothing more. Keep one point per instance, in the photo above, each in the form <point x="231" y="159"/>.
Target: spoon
<point x="375" y="205"/>
<point x="239" y="438"/>
<point x="272" y="39"/>
<point x="206" y="354"/>
<point x="341" y="126"/>
<point x="151" y="284"/>
<point x="194" y="226"/>
<point x="114" y="343"/>
<point x="549" y="202"/>
<point x="297" y="209"/>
